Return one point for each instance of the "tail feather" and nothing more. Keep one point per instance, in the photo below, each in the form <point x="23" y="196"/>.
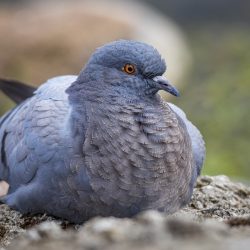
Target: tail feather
<point x="16" y="90"/>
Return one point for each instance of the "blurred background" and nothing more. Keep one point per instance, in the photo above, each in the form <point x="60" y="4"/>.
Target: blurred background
<point x="206" y="45"/>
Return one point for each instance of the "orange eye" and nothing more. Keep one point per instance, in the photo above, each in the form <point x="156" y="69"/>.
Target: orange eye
<point x="129" y="68"/>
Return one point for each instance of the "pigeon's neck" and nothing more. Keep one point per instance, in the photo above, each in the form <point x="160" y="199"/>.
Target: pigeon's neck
<point x="91" y="105"/>
<point x="88" y="111"/>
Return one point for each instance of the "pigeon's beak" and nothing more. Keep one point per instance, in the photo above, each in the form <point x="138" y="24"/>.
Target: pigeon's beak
<point x="163" y="84"/>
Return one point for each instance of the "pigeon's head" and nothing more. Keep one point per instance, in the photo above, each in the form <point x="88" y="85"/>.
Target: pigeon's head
<point x="129" y="66"/>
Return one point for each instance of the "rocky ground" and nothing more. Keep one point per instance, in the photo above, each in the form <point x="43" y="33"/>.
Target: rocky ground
<point x="218" y="217"/>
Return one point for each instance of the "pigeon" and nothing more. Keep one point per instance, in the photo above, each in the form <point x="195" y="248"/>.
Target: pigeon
<point x="103" y="143"/>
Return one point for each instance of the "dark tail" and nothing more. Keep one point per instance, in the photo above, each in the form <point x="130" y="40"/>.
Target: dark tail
<point x="16" y="90"/>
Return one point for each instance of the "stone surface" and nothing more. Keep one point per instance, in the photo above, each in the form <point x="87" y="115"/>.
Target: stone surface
<point x="218" y="217"/>
<point x="217" y="197"/>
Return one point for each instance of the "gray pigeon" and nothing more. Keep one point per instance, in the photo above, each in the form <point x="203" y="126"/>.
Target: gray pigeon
<point x="101" y="143"/>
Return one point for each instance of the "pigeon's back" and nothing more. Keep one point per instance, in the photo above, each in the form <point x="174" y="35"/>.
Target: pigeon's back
<point x="33" y="133"/>
<point x="39" y="156"/>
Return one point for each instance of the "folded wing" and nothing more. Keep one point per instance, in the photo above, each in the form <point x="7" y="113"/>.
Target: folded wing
<point x="198" y="144"/>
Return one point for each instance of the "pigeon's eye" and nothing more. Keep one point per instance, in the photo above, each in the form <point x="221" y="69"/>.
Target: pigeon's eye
<point x="129" y="68"/>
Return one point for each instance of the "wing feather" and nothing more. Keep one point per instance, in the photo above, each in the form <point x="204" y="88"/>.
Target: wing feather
<point x="198" y="144"/>
<point x="31" y="134"/>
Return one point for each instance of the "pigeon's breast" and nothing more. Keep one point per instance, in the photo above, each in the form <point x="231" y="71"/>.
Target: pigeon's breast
<point x="137" y="156"/>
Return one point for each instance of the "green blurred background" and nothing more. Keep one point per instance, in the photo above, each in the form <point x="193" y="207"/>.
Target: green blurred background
<point x="215" y="84"/>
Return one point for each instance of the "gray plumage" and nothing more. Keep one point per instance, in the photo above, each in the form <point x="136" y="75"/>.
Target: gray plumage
<point x="103" y="143"/>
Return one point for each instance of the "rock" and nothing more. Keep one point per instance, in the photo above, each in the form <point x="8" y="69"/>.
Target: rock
<point x="218" y="217"/>
<point x="217" y="197"/>
<point x="12" y="223"/>
<point x="158" y="232"/>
